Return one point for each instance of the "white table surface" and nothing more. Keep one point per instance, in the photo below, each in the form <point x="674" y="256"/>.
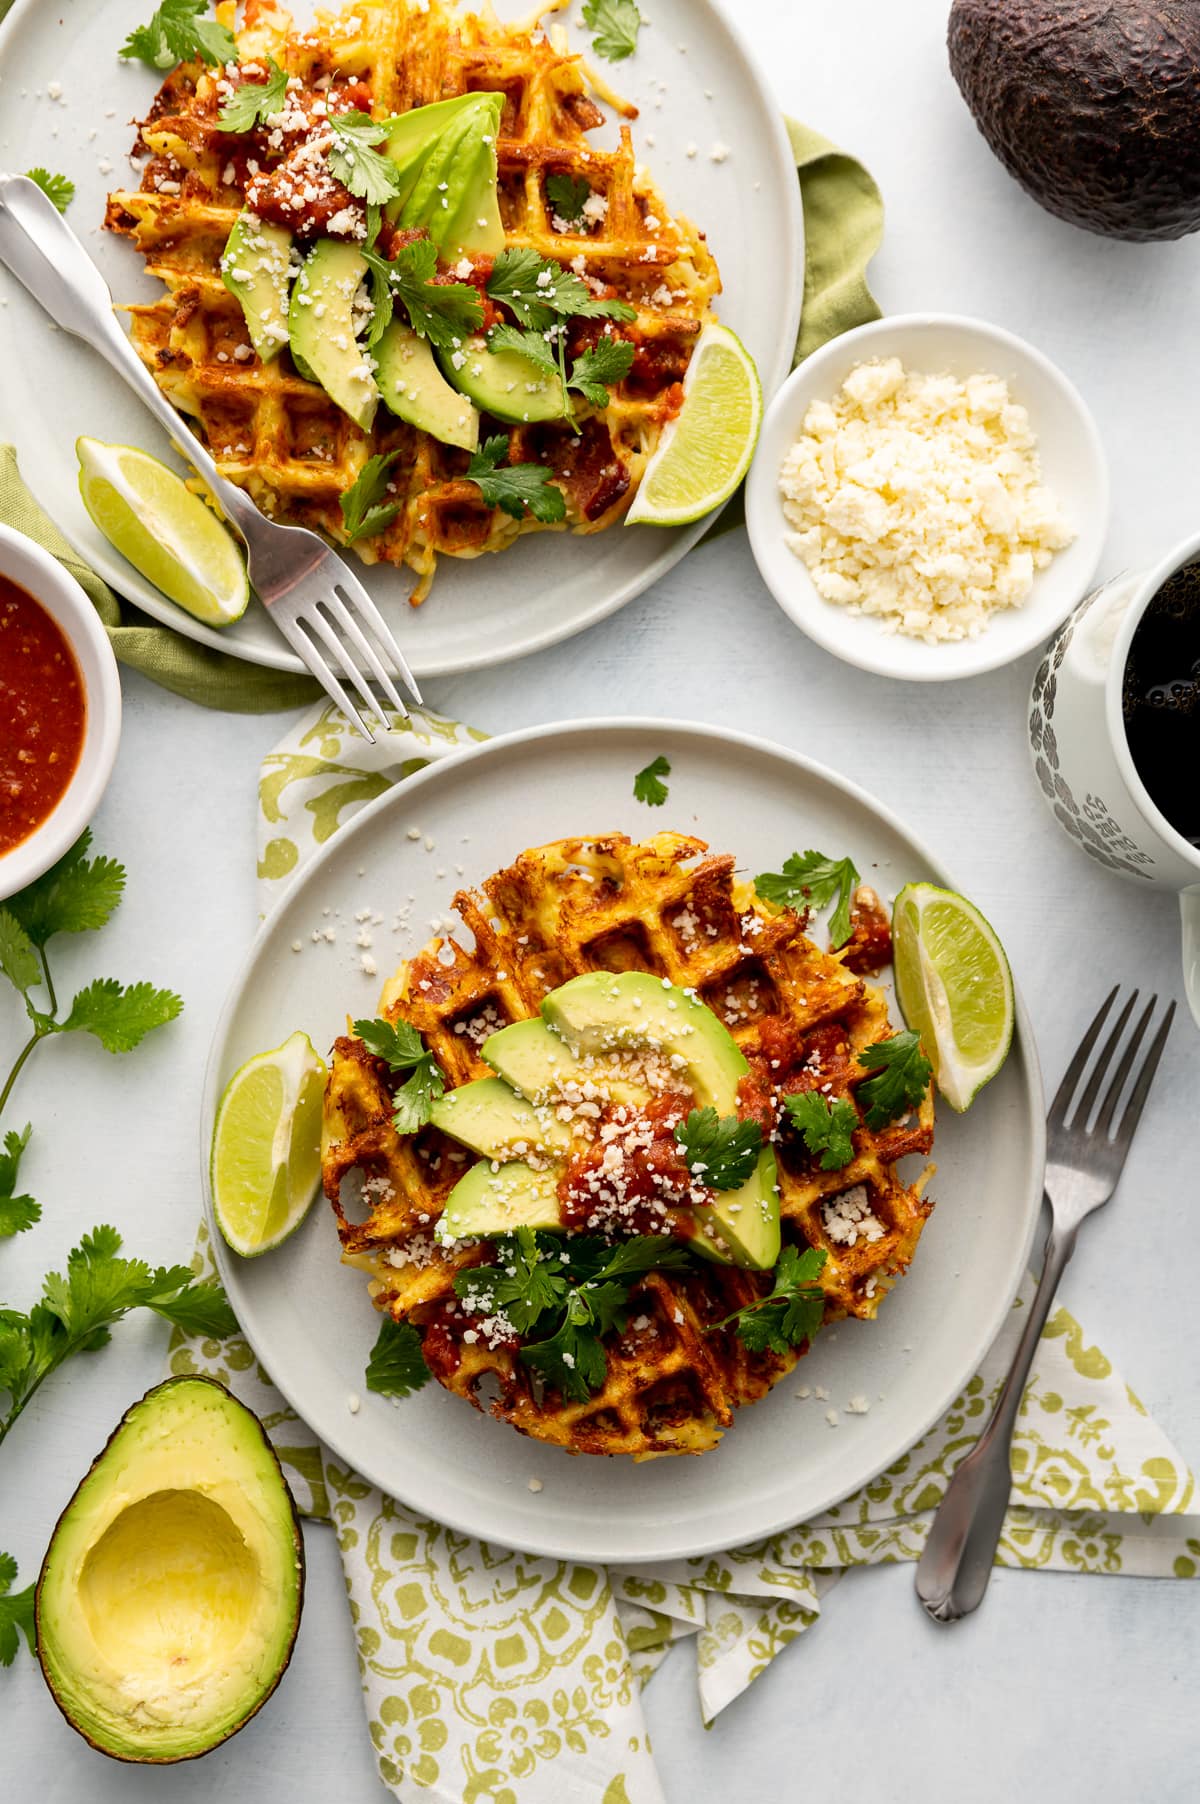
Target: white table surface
<point x="1061" y="1687"/>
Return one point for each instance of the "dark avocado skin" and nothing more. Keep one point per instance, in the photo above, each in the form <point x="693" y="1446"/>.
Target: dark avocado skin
<point x="298" y="1543"/>
<point x="1093" y="105"/>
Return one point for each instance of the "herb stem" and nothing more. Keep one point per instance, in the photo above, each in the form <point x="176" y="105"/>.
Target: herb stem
<point x="49" y="980"/>
<point x="14" y="1074"/>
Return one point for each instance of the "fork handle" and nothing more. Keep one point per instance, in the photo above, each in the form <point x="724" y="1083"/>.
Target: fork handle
<point x="956" y="1564"/>
<point x="42" y="251"/>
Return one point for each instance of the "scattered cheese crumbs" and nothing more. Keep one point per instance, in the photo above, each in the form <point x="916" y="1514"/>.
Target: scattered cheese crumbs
<point x="857" y="1406"/>
<point x="804" y="1390"/>
<point x="54" y="90"/>
<point x="848" y="1218"/>
<point x="354" y="1403"/>
<point x="918" y="499"/>
<point x="820" y="1393"/>
<point x="535" y="1484"/>
<point x="369" y="967"/>
<point x="414" y="833"/>
<point x="297" y="946"/>
<point x="719" y="153"/>
<point x="831" y="1416"/>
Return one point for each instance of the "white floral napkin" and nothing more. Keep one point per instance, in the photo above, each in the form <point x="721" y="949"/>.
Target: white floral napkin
<point x="492" y="1675"/>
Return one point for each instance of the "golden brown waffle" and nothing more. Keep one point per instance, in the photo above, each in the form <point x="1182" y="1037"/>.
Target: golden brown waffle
<point x="798" y="1014"/>
<point x="279" y="436"/>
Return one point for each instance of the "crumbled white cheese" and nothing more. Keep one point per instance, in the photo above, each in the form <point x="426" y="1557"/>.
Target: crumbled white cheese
<point x="918" y="499"/>
<point x="848" y="1218"/>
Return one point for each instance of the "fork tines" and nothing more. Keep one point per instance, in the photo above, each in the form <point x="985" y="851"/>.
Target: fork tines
<point x="1073" y="1109"/>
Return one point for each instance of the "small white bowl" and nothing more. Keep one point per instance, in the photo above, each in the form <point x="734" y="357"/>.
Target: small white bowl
<point x="43" y="577"/>
<point x="1073" y="468"/>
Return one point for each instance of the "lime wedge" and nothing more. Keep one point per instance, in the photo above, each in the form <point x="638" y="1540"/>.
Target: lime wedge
<point x="706" y="450"/>
<point x="954" y="987"/>
<point x="153" y="519"/>
<point x="266" y="1152"/>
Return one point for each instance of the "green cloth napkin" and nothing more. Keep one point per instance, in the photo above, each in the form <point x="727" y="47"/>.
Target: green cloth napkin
<point x="843" y="225"/>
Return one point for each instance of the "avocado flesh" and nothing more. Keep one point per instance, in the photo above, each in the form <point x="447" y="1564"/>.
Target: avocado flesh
<point x="539" y="1064"/>
<point x="747" y="1220"/>
<point x="492" y="1119"/>
<point x="505" y="384"/>
<point x="412" y="385"/>
<point x="256" y="268"/>
<point x="170" y="1594"/>
<point x="428" y="203"/>
<point x="497" y="1199"/>
<point x="321" y="328"/>
<point x="603" y="1011"/>
<point x="451" y="142"/>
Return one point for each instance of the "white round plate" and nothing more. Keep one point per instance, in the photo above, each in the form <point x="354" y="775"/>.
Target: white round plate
<point x="1073" y="467"/>
<point x="482" y="610"/>
<point x="308" y="1317"/>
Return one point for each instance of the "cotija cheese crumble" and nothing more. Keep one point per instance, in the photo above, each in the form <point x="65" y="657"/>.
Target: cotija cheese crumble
<point x="918" y="499"/>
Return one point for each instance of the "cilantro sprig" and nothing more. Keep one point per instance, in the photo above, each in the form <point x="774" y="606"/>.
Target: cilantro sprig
<point x="826" y="1125"/>
<point x="403" y="1049"/>
<point x="177" y="33"/>
<point x="364" y="510"/>
<point x="354" y="159"/>
<point x="76" y="895"/>
<point x="594" y="373"/>
<point x="254" y="100"/>
<point x="57" y="188"/>
<point x="516" y="488"/>
<point x="397" y="1366"/>
<point x="720" y="1150"/>
<point x="17" y="1213"/>
<point x="902" y="1074"/>
<point x="79" y="1307"/>
<point x="568" y="194"/>
<point x="814" y="879"/>
<point x="538" y="291"/>
<point x="16" y="1612"/>
<point x="591" y="373"/>
<point x="443" y="312"/>
<point x="614" y="25"/>
<point x="791" y="1312"/>
<point x="648" y="785"/>
<point x="574" y="1291"/>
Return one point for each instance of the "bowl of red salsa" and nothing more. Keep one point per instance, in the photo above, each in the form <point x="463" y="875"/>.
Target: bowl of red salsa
<point x="60" y="710"/>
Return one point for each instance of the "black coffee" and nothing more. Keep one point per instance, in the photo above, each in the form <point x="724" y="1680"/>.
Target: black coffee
<point x="1161" y="700"/>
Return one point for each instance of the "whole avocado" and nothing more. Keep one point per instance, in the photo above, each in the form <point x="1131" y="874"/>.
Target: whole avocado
<point x="1093" y="105"/>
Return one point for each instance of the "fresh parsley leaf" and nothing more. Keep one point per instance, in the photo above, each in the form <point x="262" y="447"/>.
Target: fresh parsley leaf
<point x="18" y="955"/>
<point x="404" y="1050"/>
<point x="816" y="879"/>
<point x="521" y="1286"/>
<point x="571" y="1359"/>
<point x="199" y="1308"/>
<point x="614" y="25"/>
<point x="902" y="1077"/>
<point x="537" y="290"/>
<point x="793" y="1310"/>
<point x="395" y="1041"/>
<point x="57" y="188"/>
<point x="567" y="195"/>
<point x="443" y="312"/>
<point x="648" y="786"/>
<point x="397" y="1366"/>
<point x="826" y="1124"/>
<point x="177" y="34"/>
<point x="364" y="512"/>
<point x="76" y="895"/>
<point x="254" y="100"/>
<point x="639" y="1254"/>
<point x="721" y="1151"/>
<point x="16" y="1612"/>
<point x="17" y="1213"/>
<point x="533" y="345"/>
<point x="607" y="362"/>
<point x="355" y="160"/>
<point x="515" y="487"/>
<point x="120" y="1015"/>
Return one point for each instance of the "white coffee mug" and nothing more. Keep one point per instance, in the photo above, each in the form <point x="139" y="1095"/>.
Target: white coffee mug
<point x="1081" y="754"/>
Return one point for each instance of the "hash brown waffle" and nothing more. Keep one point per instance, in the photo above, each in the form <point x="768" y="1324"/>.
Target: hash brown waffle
<point x="799" y="1016"/>
<point x="278" y="435"/>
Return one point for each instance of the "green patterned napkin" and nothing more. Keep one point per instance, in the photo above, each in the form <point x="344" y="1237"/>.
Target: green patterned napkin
<point x="496" y="1676"/>
<point x="843" y="224"/>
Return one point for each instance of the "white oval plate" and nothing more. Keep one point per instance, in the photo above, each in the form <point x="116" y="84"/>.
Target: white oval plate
<point x="483" y="610"/>
<point x="309" y="1318"/>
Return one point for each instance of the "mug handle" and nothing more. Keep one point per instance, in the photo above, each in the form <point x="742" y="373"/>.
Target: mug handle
<point x="1189" y="908"/>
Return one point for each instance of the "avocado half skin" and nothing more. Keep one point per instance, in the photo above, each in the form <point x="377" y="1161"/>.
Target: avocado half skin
<point x="298" y="1546"/>
<point x="1091" y="104"/>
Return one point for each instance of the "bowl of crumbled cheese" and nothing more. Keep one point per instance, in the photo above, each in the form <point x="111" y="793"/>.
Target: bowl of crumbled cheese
<point x="929" y="497"/>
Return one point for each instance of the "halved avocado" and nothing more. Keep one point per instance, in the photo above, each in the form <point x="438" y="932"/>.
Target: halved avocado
<point x="605" y="1011"/>
<point x="446" y="155"/>
<point x="505" y="384"/>
<point x="538" y="1063"/>
<point x="496" y="1199"/>
<point x="492" y="1119"/>
<point x="256" y="267"/>
<point x="321" y="328"/>
<point x="415" y="389"/>
<point x="170" y="1595"/>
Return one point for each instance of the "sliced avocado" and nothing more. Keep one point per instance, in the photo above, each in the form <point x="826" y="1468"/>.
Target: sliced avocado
<point x="495" y="1199"/>
<point x="490" y="1118"/>
<point x="747" y="1220"/>
<point x="413" y="137"/>
<point x="321" y="327"/>
<point x="474" y="226"/>
<point x="603" y="1011"/>
<point x="428" y="204"/>
<point x="256" y="267"/>
<point x="414" y="388"/>
<point x="170" y="1594"/>
<point x="446" y="154"/>
<point x="505" y="384"/>
<point x="538" y="1062"/>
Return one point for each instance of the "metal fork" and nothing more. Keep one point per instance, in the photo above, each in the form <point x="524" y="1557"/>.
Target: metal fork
<point x="314" y="599"/>
<point x="1084" y="1162"/>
